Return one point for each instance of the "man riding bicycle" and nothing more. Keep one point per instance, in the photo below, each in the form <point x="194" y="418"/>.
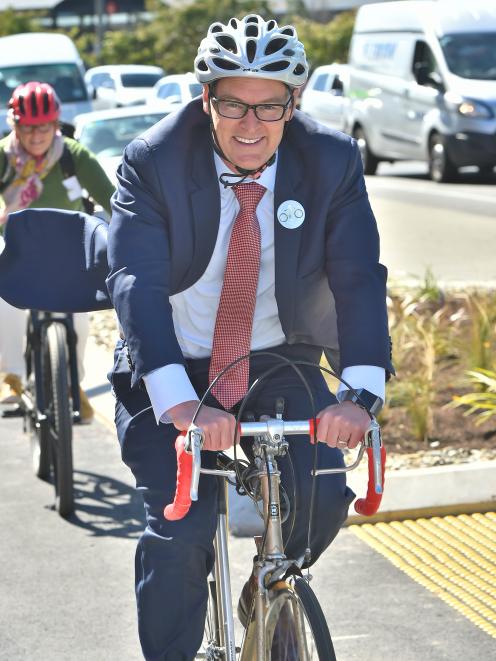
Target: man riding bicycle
<point x="239" y="225"/>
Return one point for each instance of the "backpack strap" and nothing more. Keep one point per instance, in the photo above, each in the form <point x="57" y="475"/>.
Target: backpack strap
<point x="68" y="170"/>
<point x="8" y="175"/>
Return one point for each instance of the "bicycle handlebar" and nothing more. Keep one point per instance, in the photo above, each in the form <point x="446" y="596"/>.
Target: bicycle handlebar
<point x="188" y="446"/>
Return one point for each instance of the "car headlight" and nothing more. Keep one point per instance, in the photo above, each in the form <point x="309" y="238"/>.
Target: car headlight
<point x="469" y="107"/>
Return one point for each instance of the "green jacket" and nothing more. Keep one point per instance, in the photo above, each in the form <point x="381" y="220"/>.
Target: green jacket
<point x="89" y="173"/>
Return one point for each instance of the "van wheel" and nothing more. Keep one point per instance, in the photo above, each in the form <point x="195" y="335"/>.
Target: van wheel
<point x="441" y="167"/>
<point x="369" y="160"/>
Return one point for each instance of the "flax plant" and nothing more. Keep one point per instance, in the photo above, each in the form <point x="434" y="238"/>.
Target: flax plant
<point x="482" y="404"/>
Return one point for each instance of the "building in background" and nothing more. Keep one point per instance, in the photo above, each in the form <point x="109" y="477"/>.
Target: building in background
<point x="83" y="13"/>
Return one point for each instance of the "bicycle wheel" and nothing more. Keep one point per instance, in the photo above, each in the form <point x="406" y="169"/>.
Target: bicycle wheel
<point x="60" y="416"/>
<point x="210" y="649"/>
<point x="296" y="629"/>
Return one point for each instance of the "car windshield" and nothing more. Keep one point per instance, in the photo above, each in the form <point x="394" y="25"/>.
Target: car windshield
<point x="140" y="79"/>
<point x="108" y="137"/>
<point x="65" y="78"/>
<point x="471" y="55"/>
<point x="195" y="89"/>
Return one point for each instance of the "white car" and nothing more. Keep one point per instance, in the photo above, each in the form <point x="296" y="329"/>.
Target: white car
<point x="324" y="97"/>
<point x="175" y="89"/>
<point x="118" y="85"/>
<point x="107" y="132"/>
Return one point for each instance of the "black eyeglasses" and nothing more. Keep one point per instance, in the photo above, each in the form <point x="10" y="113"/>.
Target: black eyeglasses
<point x="265" y="112"/>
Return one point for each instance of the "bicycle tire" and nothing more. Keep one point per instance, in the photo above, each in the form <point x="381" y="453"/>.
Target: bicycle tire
<point x="60" y="417"/>
<point x="39" y="432"/>
<point x="295" y="626"/>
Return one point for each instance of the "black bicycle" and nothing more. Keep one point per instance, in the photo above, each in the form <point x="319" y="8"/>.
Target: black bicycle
<point x="50" y="402"/>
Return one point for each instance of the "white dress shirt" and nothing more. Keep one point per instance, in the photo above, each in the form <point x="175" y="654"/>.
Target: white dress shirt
<point x="194" y="309"/>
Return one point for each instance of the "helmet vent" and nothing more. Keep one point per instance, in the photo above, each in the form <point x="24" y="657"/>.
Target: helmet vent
<point x="289" y="31"/>
<point x="227" y="65"/>
<point x="22" y="108"/>
<point x="251" y="50"/>
<point x="233" y="23"/>
<point x="202" y="65"/>
<point x="252" y="19"/>
<point x="227" y="42"/>
<point x="299" y="69"/>
<point x="275" y="45"/>
<point x="34" y="104"/>
<point x="271" y="25"/>
<point x="276" y="66"/>
<point x="289" y="52"/>
<point x="218" y="27"/>
<point x="46" y="104"/>
<point x="251" y="30"/>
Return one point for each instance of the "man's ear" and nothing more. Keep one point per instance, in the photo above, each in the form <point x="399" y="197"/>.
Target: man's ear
<point x="205" y="101"/>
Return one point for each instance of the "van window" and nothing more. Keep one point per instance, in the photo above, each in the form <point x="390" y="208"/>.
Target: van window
<point x="471" y="55"/>
<point x="424" y="57"/>
<point x="320" y="82"/>
<point x="140" y="79"/>
<point x="65" y="78"/>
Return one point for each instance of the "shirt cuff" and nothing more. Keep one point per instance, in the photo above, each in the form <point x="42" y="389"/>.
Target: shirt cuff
<point x="168" y="386"/>
<point x="370" y="377"/>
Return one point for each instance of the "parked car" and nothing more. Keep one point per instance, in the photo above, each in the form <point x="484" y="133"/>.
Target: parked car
<point x="423" y="84"/>
<point x="46" y="57"/>
<point x="119" y="85"/>
<point x="175" y="89"/>
<point x="107" y="132"/>
<point x="324" y="97"/>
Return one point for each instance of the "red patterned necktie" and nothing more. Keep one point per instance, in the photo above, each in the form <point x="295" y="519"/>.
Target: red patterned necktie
<point x="234" y="321"/>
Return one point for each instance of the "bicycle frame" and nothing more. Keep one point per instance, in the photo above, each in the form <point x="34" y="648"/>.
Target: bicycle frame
<point x="271" y="565"/>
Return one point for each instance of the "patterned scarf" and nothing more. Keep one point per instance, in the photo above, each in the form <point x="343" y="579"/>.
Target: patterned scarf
<point x="30" y="171"/>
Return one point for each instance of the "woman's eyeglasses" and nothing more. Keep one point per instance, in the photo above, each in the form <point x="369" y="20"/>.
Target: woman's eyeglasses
<point x="265" y="112"/>
<point x="28" y="129"/>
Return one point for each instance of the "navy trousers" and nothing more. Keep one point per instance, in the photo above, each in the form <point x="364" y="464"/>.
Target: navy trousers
<point x="173" y="559"/>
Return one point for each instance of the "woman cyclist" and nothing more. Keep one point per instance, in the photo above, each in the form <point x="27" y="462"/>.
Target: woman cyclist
<point x="35" y="161"/>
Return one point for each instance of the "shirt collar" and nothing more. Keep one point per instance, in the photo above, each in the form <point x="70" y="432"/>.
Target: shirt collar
<point x="267" y="178"/>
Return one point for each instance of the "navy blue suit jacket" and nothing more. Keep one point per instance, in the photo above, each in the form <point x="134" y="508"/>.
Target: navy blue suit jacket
<point x="164" y="226"/>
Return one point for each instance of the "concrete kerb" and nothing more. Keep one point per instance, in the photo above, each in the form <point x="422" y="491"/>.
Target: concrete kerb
<point x="409" y="493"/>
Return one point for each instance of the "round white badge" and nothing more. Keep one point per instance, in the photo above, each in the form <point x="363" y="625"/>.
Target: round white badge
<point x="291" y="214"/>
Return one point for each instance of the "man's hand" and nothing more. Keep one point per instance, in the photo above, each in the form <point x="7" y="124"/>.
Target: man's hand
<point x="342" y="425"/>
<point x="218" y="426"/>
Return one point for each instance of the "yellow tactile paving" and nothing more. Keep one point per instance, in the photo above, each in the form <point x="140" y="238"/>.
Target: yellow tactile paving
<point x="452" y="556"/>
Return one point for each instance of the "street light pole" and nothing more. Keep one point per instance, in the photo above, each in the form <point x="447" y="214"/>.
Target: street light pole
<point x="98" y="26"/>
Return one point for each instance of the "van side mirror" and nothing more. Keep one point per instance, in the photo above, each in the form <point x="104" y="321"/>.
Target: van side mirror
<point x="424" y="76"/>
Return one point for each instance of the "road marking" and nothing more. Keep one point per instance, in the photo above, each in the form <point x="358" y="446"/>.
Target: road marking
<point x="453" y="557"/>
<point x="351" y="636"/>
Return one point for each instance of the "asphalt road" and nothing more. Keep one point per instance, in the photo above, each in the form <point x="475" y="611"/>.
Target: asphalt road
<point x="447" y="228"/>
<point x="67" y="586"/>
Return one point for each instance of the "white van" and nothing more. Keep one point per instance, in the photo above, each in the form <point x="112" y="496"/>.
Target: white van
<point x="423" y="84"/>
<point x="325" y="95"/>
<point x="46" y="57"/>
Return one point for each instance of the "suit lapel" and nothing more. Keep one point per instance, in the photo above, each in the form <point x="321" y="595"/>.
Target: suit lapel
<point x="289" y="178"/>
<point x="205" y="205"/>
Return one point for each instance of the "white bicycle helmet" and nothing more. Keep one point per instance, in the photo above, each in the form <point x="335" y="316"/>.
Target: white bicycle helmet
<point x="253" y="48"/>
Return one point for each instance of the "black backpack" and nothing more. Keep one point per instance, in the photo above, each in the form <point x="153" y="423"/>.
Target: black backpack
<point x="68" y="170"/>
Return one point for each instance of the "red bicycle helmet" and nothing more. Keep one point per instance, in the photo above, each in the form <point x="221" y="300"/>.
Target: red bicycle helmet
<point x="34" y="103"/>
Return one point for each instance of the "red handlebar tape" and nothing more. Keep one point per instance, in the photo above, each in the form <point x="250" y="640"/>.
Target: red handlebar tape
<point x="182" y="500"/>
<point x="370" y="504"/>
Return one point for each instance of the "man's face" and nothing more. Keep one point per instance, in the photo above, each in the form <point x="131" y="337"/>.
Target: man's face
<point x="248" y="142"/>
